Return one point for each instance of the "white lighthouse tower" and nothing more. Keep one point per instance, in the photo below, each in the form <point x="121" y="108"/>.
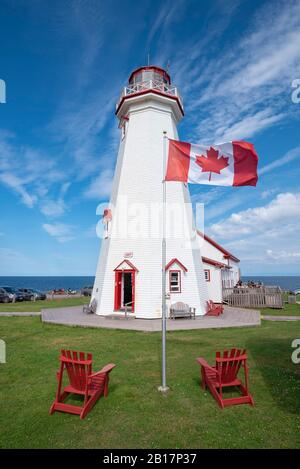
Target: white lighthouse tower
<point x="129" y="272"/>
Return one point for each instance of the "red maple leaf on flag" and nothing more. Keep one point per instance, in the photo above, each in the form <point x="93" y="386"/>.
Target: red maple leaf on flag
<point x="212" y="163"/>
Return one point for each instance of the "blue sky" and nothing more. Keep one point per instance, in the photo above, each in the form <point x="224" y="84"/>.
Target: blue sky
<point x="64" y="64"/>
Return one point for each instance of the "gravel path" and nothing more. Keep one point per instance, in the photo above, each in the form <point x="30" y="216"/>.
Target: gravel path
<point x="18" y="313"/>
<point x="281" y="318"/>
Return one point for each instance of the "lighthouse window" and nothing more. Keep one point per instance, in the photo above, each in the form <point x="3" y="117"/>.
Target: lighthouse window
<point x="175" y="281"/>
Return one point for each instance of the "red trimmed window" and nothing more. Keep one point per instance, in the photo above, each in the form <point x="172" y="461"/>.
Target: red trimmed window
<point x="175" y="281"/>
<point x="207" y="275"/>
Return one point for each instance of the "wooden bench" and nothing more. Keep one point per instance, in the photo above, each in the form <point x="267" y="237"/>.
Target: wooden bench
<point x="182" y="310"/>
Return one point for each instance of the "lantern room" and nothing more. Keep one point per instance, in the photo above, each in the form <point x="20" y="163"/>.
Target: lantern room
<point x="144" y="82"/>
<point x="143" y="74"/>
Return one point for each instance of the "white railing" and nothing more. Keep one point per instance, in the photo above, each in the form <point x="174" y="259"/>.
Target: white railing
<point x="150" y="85"/>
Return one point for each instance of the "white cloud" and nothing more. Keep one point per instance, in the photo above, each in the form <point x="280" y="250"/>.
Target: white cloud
<point x="284" y="208"/>
<point x="27" y="172"/>
<point x="100" y="187"/>
<point x="244" y="86"/>
<point x="208" y="195"/>
<point x="15" y="183"/>
<point x="287" y="158"/>
<point x="225" y="204"/>
<point x="287" y="255"/>
<point x="60" y="231"/>
<point x="268" y="193"/>
<point x="167" y="14"/>
<point x="52" y="208"/>
<point x="55" y="208"/>
<point x="264" y="237"/>
<point x="75" y="128"/>
<point x="249" y="125"/>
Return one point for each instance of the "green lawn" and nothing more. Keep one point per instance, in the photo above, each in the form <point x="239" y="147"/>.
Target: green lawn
<point x="24" y="306"/>
<point x="287" y="310"/>
<point x="135" y="413"/>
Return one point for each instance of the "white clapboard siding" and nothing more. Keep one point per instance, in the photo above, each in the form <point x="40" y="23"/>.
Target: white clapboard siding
<point x="138" y="176"/>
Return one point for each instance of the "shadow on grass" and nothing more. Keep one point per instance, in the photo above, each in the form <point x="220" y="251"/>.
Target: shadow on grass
<point x="76" y="399"/>
<point x="272" y="358"/>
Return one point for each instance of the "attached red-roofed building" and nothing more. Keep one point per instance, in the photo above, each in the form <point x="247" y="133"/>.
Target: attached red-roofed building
<point x="221" y="267"/>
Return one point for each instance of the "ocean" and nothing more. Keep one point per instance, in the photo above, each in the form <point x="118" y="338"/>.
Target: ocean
<point x="47" y="283"/>
<point x="76" y="283"/>
<point x="285" y="283"/>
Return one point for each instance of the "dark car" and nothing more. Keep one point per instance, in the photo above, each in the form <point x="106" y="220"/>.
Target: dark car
<point x="13" y="293"/>
<point x="59" y="291"/>
<point x="32" y="294"/>
<point x="5" y="297"/>
<point x="26" y="293"/>
<point x="86" y="291"/>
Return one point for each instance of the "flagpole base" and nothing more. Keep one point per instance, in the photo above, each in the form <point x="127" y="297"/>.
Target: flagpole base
<point x="163" y="389"/>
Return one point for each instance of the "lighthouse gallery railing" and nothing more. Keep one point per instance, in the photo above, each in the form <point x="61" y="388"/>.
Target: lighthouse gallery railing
<point x="150" y="85"/>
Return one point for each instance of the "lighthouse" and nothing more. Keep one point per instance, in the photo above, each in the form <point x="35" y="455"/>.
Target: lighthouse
<point x="130" y="272"/>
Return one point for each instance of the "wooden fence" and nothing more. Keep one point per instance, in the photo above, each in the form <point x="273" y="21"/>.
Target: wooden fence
<point x="246" y="297"/>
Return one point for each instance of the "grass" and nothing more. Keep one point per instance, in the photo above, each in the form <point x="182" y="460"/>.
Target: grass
<point x="135" y="414"/>
<point x="287" y="310"/>
<point x="25" y="306"/>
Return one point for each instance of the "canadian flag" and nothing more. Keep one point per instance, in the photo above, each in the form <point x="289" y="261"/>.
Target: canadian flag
<point x="225" y="164"/>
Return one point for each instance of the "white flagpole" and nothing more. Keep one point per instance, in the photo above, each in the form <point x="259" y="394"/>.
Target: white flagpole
<point x="164" y="387"/>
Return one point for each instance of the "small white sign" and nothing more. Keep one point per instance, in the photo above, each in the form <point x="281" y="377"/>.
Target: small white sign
<point x="128" y="255"/>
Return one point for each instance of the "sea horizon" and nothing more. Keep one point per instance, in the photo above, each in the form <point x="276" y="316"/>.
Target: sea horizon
<point x="31" y="276"/>
<point x="76" y="282"/>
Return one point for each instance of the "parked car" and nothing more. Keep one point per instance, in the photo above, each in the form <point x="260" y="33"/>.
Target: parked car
<point x="13" y="293"/>
<point x="5" y="297"/>
<point x="86" y="291"/>
<point x="27" y="295"/>
<point x="32" y="294"/>
<point x="59" y="291"/>
<point x="297" y="292"/>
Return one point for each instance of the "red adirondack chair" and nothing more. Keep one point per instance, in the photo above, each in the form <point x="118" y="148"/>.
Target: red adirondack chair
<point x="225" y="374"/>
<point x="81" y="381"/>
<point x="213" y="309"/>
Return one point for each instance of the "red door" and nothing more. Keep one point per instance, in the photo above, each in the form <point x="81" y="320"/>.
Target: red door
<point x="118" y="289"/>
<point x="133" y="288"/>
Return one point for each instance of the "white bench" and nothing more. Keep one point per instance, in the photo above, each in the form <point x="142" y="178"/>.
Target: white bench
<point x="182" y="310"/>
